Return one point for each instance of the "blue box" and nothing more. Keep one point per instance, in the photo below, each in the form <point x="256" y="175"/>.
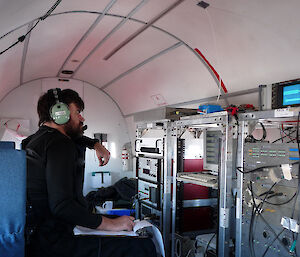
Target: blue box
<point x="209" y="108"/>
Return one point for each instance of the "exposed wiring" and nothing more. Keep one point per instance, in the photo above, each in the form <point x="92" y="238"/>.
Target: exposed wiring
<point x="256" y="212"/>
<point x="22" y="38"/>
<point x="286" y="135"/>
<point x="257" y="208"/>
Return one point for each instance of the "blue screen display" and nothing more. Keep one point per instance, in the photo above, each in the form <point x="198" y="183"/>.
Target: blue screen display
<point x="291" y="95"/>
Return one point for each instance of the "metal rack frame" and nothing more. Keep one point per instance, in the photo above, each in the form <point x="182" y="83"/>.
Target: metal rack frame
<point x="223" y="121"/>
<point x="246" y="121"/>
<point x="168" y="137"/>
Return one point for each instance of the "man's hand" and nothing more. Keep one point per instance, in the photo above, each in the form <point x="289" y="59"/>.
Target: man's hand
<point x="102" y="152"/>
<point x="117" y="224"/>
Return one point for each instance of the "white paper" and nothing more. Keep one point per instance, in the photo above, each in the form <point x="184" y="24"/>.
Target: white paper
<point x="286" y="170"/>
<point x="157" y="238"/>
<point x="290" y="224"/>
<point x="78" y="230"/>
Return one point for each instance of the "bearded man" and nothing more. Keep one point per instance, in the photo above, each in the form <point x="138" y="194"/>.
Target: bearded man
<point x="55" y="172"/>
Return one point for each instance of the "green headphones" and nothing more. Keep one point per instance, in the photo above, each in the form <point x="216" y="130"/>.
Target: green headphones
<point x="59" y="112"/>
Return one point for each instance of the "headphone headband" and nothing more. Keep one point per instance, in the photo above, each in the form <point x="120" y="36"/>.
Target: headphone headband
<point x="55" y="93"/>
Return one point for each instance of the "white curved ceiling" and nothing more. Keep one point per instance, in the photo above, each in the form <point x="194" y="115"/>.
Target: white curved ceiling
<point x="247" y="42"/>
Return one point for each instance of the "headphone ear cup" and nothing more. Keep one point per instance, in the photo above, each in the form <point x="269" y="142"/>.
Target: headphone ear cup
<point x="60" y="113"/>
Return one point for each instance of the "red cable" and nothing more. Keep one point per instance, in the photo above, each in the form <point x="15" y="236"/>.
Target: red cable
<point x="213" y="70"/>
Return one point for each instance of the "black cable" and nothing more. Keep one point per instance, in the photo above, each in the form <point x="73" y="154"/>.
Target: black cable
<point x="289" y="135"/>
<point x="206" y="248"/>
<point x="268" y="247"/>
<point x="252" y="139"/>
<point x="260" y="169"/>
<point x="253" y="213"/>
<point x="11" y="46"/>
<point x="286" y="135"/>
<point x="22" y="38"/>
<point x="273" y="195"/>
<point x="257" y="210"/>
<point x="283" y="203"/>
<point x="50" y="10"/>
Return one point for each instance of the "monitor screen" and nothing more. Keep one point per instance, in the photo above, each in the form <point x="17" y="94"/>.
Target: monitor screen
<point x="291" y="95"/>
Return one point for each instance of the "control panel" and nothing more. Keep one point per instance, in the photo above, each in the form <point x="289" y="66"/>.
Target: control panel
<point x="149" y="169"/>
<point x="265" y="154"/>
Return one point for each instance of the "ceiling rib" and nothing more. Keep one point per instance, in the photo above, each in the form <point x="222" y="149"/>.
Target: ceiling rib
<point x="91" y="28"/>
<point x="139" y="31"/>
<point x="142" y="63"/>
<point x="25" y="49"/>
<point x="118" y="26"/>
<point x="139" y="21"/>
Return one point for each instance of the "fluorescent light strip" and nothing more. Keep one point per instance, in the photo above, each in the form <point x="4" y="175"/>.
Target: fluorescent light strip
<point x="120" y="24"/>
<point x="142" y="63"/>
<point x="139" y="31"/>
<point x="91" y="28"/>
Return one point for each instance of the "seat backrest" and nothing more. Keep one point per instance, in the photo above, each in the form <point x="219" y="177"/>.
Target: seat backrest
<point x="7" y="145"/>
<point x="12" y="202"/>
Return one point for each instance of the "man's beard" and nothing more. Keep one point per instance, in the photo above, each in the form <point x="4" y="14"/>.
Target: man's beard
<point x="74" y="131"/>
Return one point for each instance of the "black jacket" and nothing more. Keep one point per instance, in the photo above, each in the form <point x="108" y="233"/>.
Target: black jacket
<point x="55" y="171"/>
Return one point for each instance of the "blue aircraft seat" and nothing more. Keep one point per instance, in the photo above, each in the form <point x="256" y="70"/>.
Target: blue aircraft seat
<point x="7" y="145"/>
<point x="12" y="202"/>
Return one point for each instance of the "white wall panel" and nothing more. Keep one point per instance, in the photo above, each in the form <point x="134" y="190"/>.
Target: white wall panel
<point x="123" y="7"/>
<point x="51" y="42"/>
<point x="98" y="71"/>
<point x="251" y="53"/>
<point x="96" y="35"/>
<point x="21" y="103"/>
<point x="49" y="83"/>
<point x="177" y="76"/>
<point x="87" y="5"/>
<point x="102" y="116"/>
<point x="152" y="9"/>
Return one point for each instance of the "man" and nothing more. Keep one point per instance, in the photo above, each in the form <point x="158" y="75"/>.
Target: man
<point x="54" y="187"/>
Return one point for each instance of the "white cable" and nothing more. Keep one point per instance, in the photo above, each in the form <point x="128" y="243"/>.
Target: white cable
<point x="216" y="50"/>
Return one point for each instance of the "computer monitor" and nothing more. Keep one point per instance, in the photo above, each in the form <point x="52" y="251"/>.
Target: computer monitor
<point x="280" y="95"/>
<point x="291" y="95"/>
<point x="211" y="146"/>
